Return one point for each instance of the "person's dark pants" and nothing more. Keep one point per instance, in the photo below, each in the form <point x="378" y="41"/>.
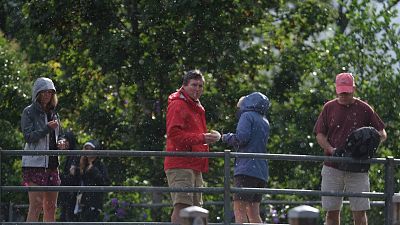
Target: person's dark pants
<point x="67" y="205"/>
<point x="67" y="213"/>
<point x="90" y="214"/>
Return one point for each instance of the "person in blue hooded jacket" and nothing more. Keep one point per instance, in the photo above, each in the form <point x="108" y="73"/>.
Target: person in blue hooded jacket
<point x="252" y="133"/>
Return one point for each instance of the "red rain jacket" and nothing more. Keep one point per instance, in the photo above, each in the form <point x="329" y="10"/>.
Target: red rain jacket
<point x="186" y="125"/>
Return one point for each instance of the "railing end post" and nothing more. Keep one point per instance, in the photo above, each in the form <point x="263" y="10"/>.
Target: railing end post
<point x="194" y="215"/>
<point x="227" y="186"/>
<point x="303" y="215"/>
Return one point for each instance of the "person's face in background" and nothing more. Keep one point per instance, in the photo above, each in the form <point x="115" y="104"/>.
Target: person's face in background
<point x="89" y="148"/>
<point x="194" y="88"/>
<point x="62" y="144"/>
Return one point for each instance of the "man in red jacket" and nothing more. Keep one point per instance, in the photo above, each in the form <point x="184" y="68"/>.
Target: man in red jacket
<point x="187" y="132"/>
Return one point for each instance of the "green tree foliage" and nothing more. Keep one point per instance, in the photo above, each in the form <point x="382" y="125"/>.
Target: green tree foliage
<point x="114" y="63"/>
<point x="13" y="96"/>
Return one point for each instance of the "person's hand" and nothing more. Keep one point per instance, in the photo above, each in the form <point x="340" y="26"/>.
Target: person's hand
<point x="331" y="150"/>
<point x="90" y="162"/>
<point x="212" y="137"/>
<point x="82" y="163"/>
<point x="52" y="124"/>
<point x="216" y="133"/>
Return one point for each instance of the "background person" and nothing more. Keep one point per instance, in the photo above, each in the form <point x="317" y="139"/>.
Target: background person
<point x="93" y="172"/>
<point x="339" y="117"/>
<point x="69" y="177"/>
<point x="252" y="133"/>
<point x="40" y="127"/>
<point x="187" y="131"/>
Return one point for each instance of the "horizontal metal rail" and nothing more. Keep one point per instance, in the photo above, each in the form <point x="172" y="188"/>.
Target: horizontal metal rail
<point x="135" y="153"/>
<point x="216" y="190"/>
<point x="221" y="203"/>
<point x="389" y="162"/>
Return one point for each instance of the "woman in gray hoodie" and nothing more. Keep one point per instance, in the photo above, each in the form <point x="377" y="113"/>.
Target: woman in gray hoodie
<point x="40" y="126"/>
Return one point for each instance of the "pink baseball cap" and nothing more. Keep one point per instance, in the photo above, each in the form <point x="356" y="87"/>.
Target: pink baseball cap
<point x="344" y="83"/>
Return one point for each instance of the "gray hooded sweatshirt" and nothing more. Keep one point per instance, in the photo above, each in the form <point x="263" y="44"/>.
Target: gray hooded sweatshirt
<point x="34" y="126"/>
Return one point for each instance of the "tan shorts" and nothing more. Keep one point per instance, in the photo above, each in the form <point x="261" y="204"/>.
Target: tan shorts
<point x="338" y="181"/>
<point x="178" y="178"/>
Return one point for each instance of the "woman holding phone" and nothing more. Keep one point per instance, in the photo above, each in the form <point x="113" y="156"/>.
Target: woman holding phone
<point x="93" y="173"/>
<point x="40" y="126"/>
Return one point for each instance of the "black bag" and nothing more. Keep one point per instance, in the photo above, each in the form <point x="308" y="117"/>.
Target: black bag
<point x="361" y="144"/>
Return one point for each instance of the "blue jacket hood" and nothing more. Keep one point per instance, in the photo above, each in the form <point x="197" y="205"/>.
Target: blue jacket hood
<point x="255" y="102"/>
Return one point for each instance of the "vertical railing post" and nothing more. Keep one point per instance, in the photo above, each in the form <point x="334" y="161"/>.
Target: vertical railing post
<point x="11" y="212"/>
<point x="389" y="189"/>
<point x="396" y="209"/>
<point x="227" y="187"/>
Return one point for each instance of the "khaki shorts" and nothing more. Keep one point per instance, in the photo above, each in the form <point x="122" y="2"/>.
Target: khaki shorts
<point x="188" y="178"/>
<point x="338" y="181"/>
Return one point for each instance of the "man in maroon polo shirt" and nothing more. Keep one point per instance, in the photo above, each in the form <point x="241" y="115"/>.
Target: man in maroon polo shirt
<point x="339" y="117"/>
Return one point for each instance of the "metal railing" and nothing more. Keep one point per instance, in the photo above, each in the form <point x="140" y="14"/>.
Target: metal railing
<point x="389" y="162"/>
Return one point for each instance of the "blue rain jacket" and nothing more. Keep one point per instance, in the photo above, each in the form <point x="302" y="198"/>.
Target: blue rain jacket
<point x="252" y="133"/>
